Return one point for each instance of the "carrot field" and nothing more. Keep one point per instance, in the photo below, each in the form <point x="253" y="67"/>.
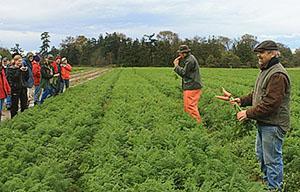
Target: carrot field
<point x="126" y="131"/>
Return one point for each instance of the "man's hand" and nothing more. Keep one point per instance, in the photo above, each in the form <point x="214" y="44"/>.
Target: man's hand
<point x="236" y="100"/>
<point x="176" y="61"/>
<point x="242" y="115"/>
<point x="22" y="68"/>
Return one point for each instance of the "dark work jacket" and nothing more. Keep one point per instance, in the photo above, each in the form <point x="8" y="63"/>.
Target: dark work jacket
<point x="190" y="73"/>
<point x="46" y="75"/>
<point x="16" y="78"/>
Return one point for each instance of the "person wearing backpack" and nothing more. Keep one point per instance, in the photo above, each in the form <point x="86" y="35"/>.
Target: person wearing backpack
<point x="28" y="82"/>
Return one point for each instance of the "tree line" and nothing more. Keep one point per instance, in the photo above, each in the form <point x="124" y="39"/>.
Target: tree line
<point x="158" y="50"/>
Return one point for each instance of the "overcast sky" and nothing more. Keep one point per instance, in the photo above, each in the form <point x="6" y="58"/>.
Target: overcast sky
<point x="22" y="21"/>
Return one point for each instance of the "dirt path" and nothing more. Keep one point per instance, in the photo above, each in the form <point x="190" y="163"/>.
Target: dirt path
<point x="76" y="79"/>
<point x="83" y="77"/>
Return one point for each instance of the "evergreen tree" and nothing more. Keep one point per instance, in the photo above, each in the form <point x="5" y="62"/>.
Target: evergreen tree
<point x="54" y="51"/>
<point x="17" y="49"/>
<point x="45" y="43"/>
<point x="5" y="53"/>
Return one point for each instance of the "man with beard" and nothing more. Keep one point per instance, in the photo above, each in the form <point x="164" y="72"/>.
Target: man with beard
<point x="270" y="101"/>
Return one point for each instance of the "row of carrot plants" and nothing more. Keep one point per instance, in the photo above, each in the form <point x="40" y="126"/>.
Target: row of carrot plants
<point x="219" y="117"/>
<point x="147" y="143"/>
<point x="126" y="131"/>
<point x="41" y="148"/>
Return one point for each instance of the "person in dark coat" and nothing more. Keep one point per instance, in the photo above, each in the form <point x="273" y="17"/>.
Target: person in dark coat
<point x="187" y="67"/>
<point x="270" y="107"/>
<point x="47" y="78"/>
<point x="16" y="74"/>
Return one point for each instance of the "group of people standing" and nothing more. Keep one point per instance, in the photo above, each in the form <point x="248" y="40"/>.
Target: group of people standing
<point x="31" y="78"/>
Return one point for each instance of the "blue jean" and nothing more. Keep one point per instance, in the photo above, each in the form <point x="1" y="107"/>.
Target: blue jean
<point x="37" y="93"/>
<point x="1" y="105"/>
<point x="47" y="92"/>
<point x="8" y="101"/>
<point x="62" y="86"/>
<point x="269" y="142"/>
<point x="65" y="82"/>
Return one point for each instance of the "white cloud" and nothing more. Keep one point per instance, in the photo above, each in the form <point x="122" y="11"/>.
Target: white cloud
<point x="10" y="38"/>
<point x="231" y="18"/>
<point x="27" y="40"/>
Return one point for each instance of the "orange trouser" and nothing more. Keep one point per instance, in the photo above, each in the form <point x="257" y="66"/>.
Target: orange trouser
<point x="190" y="101"/>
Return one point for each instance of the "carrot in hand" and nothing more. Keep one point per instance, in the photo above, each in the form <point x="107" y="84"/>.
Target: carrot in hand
<point x="227" y="96"/>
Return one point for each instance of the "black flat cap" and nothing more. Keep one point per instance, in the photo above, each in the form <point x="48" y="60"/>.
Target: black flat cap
<point x="267" y="45"/>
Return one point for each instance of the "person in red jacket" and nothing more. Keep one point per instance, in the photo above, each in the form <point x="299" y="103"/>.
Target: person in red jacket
<point x="55" y="64"/>
<point x="65" y="74"/>
<point x="36" y="70"/>
<point x="4" y="88"/>
<point x="5" y="65"/>
<point x="57" y="78"/>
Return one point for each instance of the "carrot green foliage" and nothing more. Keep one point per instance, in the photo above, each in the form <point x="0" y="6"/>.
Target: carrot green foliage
<point x="126" y="131"/>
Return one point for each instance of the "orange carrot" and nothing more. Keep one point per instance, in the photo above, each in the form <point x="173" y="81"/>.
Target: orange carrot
<point x="226" y="93"/>
<point x="224" y="98"/>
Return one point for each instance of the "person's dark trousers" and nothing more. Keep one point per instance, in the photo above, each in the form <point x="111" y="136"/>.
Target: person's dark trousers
<point x="61" y="87"/>
<point x="67" y="83"/>
<point x="47" y="92"/>
<point x="21" y="96"/>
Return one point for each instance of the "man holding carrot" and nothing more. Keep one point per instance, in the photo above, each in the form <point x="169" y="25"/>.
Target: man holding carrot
<point x="191" y="81"/>
<point x="270" y="108"/>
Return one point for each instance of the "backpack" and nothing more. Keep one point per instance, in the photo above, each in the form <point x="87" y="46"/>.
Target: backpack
<point x="28" y="82"/>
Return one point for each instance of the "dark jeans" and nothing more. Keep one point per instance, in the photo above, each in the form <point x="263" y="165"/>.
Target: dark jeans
<point x="37" y="94"/>
<point x="47" y="92"/>
<point x="65" y="82"/>
<point x="21" y="96"/>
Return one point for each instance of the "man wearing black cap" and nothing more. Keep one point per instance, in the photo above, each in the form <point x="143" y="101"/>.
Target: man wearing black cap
<point x="191" y="81"/>
<point x="270" y="108"/>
